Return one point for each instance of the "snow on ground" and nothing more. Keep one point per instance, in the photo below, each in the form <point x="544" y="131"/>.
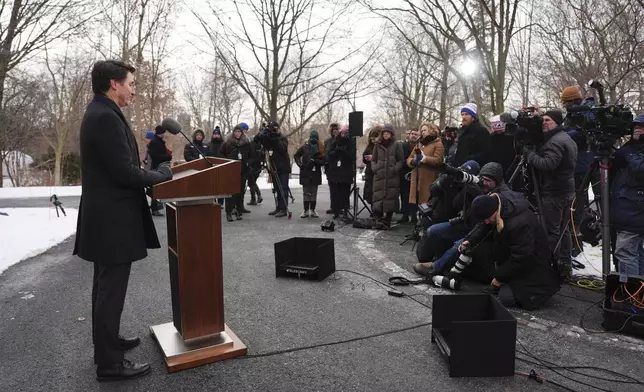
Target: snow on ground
<point x="592" y="259"/>
<point x="27" y="232"/>
<point x="26" y="192"/>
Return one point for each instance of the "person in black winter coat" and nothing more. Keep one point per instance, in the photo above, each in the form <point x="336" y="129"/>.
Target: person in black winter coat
<point x="406" y="208"/>
<point x="237" y="147"/>
<point x="367" y="154"/>
<point x="310" y="159"/>
<point x="523" y="274"/>
<point x="215" y="143"/>
<point x="341" y="155"/>
<point x="627" y="202"/>
<point x="115" y="227"/>
<point x="473" y="140"/>
<point x="158" y="154"/>
<point x="279" y="165"/>
<point x="191" y="153"/>
<point x="334" y="130"/>
<point x="554" y="164"/>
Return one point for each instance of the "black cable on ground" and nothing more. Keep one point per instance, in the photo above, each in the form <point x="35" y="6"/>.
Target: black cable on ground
<point x="534" y="376"/>
<point x="290" y="350"/>
<point x="583" y="316"/>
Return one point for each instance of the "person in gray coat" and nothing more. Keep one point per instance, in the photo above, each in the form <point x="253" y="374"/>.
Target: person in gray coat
<point x="386" y="161"/>
<point x="554" y="163"/>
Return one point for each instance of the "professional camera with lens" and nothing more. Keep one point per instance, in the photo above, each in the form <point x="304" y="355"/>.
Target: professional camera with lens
<point x="450" y="132"/>
<point x="526" y="126"/>
<point x="603" y="124"/>
<point x="462" y="176"/>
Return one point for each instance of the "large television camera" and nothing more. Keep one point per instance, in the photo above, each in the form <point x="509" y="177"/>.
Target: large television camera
<point x="525" y="125"/>
<point x="602" y="124"/>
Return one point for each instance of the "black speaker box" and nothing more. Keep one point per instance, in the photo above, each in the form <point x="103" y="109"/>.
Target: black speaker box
<point x="476" y="335"/>
<point x="305" y="258"/>
<point x="355" y="124"/>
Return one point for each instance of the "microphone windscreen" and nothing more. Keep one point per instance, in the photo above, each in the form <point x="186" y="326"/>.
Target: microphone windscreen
<point x="514" y="114"/>
<point x="507" y="118"/>
<point x="171" y="125"/>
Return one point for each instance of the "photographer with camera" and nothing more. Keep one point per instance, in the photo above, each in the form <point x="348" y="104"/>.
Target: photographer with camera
<point x="278" y="164"/>
<point x="523" y="275"/>
<point x="627" y="202"/>
<point x="554" y="162"/>
<point x="473" y="140"/>
<point x="445" y="239"/>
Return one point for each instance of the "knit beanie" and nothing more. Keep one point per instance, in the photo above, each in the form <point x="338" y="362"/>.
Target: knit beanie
<point x="217" y="131"/>
<point x="238" y="127"/>
<point x="471" y="167"/>
<point x="485" y="206"/>
<point x="388" y="128"/>
<point x="159" y="130"/>
<point x="471" y="109"/>
<point x="244" y="126"/>
<point x="639" y="119"/>
<point x="149" y="134"/>
<point x="570" y="93"/>
<point x="315" y="135"/>
<point x="556" y="115"/>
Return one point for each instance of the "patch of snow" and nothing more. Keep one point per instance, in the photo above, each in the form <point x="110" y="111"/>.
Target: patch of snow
<point x="6" y="182"/>
<point x="27" y="192"/>
<point x="31" y="231"/>
<point x="592" y="259"/>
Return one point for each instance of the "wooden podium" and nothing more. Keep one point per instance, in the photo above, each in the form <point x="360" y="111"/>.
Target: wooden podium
<point x="197" y="334"/>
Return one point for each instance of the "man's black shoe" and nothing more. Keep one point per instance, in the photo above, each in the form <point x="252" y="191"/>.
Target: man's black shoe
<point x="274" y="212"/>
<point x="245" y="211"/>
<point x="129" y="344"/>
<point x="404" y="219"/>
<point x="260" y="200"/>
<point x="252" y="203"/>
<point x="280" y="214"/>
<point x="124" y="371"/>
<point x="491" y="289"/>
<point x="229" y="217"/>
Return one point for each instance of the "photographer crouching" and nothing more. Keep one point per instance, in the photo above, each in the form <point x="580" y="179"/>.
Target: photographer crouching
<point x="523" y="275"/>
<point x="275" y="145"/>
<point x="554" y="163"/>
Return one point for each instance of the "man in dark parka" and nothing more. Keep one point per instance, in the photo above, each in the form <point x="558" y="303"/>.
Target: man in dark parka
<point x="115" y="226"/>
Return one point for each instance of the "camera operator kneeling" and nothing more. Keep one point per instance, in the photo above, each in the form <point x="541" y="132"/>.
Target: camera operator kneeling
<point x="627" y="202"/>
<point x="523" y="275"/>
<point x="555" y="162"/>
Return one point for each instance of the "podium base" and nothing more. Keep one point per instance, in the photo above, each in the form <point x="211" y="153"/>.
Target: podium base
<point x="180" y="354"/>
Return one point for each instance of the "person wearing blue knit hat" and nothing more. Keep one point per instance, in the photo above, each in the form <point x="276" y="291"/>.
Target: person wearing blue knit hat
<point x="473" y="141"/>
<point x="244" y="126"/>
<point x="627" y="202"/>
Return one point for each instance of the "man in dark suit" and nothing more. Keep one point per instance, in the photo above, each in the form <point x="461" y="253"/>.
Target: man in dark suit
<point x="114" y="226"/>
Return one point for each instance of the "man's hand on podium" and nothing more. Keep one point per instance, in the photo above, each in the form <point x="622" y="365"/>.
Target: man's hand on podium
<point x="164" y="169"/>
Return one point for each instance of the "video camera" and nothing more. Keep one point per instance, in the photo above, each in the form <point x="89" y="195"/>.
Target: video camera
<point x="450" y="133"/>
<point x="526" y="125"/>
<point x="603" y="124"/>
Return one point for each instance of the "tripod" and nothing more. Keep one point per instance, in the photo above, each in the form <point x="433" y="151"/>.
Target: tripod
<point x="522" y="166"/>
<point x="415" y="234"/>
<point x="355" y="190"/>
<point x="272" y="171"/>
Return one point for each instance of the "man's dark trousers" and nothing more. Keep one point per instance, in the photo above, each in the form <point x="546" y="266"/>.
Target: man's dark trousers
<point x="108" y="298"/>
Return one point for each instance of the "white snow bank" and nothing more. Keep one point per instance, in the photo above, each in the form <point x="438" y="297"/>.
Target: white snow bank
<point x="39" y="191"/>
<point x="27" y="232"/>
<point x="592" y="259"/>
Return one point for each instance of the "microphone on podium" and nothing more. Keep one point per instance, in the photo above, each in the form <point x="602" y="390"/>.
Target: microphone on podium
<point x="171" y="125"/>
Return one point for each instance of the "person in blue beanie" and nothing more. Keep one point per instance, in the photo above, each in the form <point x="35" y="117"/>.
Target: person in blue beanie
<point x="473" y="139"/>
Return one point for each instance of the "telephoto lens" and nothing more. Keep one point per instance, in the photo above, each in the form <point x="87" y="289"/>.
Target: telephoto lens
<point x="446" y="283"/>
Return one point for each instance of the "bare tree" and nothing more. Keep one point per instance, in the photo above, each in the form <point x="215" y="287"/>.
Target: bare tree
<point x="289" y="42"/>
<point x="27" y="27"/>
<point x="66" y="90"/>
<point x="593" y="39"/>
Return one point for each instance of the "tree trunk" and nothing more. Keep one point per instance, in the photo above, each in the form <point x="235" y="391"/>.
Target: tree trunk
<point x="58" y="164"/>
<point x="444" y="92"/>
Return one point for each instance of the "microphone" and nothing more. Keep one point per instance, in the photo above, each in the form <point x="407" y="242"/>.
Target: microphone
<point x="171" y="125"/>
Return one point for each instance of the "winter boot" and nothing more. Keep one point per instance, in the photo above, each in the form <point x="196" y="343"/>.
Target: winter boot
<point x="229" y="217"/>
<point x="252" y="202"/>
<point x="259" y="199"/>
<point x="312" y="212"/>
<point x="280" y="214"/>
<point x="304" y="214"/>
<point x="274" y="211"/>
<point x="424" y="269"/>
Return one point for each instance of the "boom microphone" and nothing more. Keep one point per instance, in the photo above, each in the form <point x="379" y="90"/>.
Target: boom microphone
<point x="171" y="125"/>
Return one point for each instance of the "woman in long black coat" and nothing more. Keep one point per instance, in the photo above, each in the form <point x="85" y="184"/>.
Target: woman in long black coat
<point x="386" y="162"/>
<point x="366" y="159"/>
<point x="341" y="162"/>
<point x="158" y="153"/>
<point x="310" y="159"/>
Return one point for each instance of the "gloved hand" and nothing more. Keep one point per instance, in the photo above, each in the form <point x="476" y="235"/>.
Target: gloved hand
<point x="164" y="169"/>
<point x="414" y="163"/>
<point x="528" y="148"/>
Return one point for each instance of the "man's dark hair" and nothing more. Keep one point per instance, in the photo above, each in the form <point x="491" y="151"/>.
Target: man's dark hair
<point x="107" y="70"/>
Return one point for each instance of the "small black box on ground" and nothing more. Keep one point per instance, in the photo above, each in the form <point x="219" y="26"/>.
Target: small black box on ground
<point x="476" y="335"/>
<point x="619" y="316"/>
<point x="307" y="258"/>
